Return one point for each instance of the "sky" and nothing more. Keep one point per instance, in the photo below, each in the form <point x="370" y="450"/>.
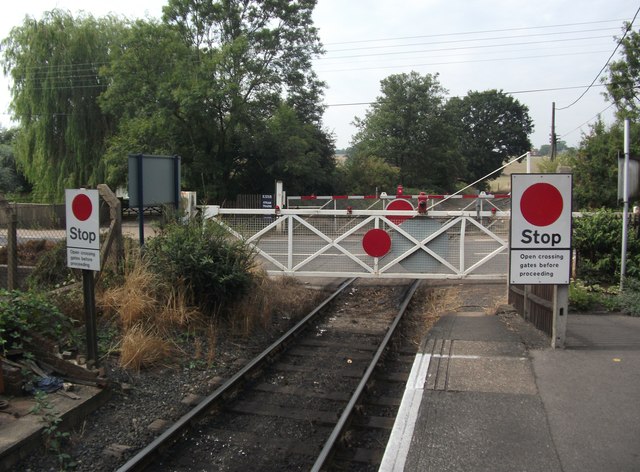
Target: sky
<point x="541" y="52"/>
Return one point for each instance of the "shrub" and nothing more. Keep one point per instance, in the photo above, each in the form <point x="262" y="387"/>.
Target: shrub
<point x="597" y="239"/>
<point x="51" y="270"/>
<point x="23" y="314"/>
<point x="214" y="269"/>
<point x="581" y="298"/>
<point x="629" y="298"/>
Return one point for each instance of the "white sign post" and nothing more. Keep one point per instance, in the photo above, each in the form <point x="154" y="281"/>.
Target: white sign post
<point x="540" y="239"/>
<point x="83" y="252"/>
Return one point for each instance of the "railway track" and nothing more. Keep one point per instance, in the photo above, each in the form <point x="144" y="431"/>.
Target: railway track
<point x="316" y="399"/>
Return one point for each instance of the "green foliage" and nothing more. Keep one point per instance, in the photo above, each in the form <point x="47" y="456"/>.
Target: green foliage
<point x="624" y="76"/>
<point x="54" y="437"/>
<point x="214" y="83"/>
<point x="287" y="149"/>
<point x="597" y="240"/>
<point x="214" y="269"/>
<point x="407" y="127"/>
<point x="581" y="299"/>
<point x="437" y="144"/>
<point x="585" y="298"/>
<point x="595" y="167"/>
<point x="23" y="314"/>
<point x="362" y="175"/>
<point x="11" y="179"/>
<point x="629" y="298"/>
<point x="491" y="128"/>
<point x="54" y="64"/>
<point x="51" y="270"/>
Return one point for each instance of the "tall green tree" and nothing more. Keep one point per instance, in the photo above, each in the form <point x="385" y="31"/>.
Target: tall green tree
<point x="216" y="77"/>
<point x="595" y="167"/>
<point x="365" y="174"/>
<point x="11" y="179"/>
<point x="286" y="148"/>
<point x="623" y="82"/>
<point x="407" y="126"/>
<point x="54" y="65"/>
<point x="491" y="128"/>
<point x="146" y="73"/>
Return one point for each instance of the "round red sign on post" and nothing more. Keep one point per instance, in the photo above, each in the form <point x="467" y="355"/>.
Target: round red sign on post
<point x="541" y="204"/>
<point x="81" y="207"/>
<point x="400" y="205"/>
<point x="376" y="242"/>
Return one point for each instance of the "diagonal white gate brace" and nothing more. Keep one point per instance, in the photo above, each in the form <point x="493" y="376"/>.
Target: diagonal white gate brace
<point x="400" y="244"/>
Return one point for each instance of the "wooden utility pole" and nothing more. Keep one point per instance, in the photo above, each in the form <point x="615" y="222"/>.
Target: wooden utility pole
<point x="554" y="140"/>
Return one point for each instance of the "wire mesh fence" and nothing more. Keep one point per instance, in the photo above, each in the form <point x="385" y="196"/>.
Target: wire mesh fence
<point x="37" y="228"/>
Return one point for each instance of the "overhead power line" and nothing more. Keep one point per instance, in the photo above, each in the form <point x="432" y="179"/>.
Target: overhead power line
<point x="629" y="26"/>
<point x="462" y="33"/>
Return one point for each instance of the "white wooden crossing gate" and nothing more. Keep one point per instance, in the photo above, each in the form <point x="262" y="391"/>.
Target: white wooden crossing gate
<point x="445" y="237"/>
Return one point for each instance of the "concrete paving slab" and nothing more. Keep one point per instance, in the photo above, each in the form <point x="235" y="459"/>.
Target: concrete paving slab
<point x="474" y="431"/>
<point x="591" y="398"/>
<point x="472" y="328"/>
<point x="603" y="332"/>
<point x="462" y="347"/>
<point x="491" y="374"/>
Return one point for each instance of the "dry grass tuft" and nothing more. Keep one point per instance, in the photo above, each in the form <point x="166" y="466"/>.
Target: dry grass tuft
<point x="495" y="308"/>
<point x="142" y="347"/>
<point x="282" y="296"/>
<point x="176" y="310"/>
<point x="433" y="302"/>
<point x="441" y="300"/>
<point x="133" y="301"/>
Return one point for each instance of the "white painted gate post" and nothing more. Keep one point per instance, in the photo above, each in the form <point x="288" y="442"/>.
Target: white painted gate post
<point x="560" y="313"/>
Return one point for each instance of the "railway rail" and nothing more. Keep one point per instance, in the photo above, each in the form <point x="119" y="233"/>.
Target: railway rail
<point x="315" y="399"/>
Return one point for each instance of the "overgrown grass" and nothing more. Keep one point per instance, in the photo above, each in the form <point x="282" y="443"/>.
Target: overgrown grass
<point x="161" y="318"/>
<point x="142" y="346"/>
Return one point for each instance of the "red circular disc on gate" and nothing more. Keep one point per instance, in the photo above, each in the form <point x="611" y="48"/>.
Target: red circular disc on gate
<point x="541" y="204"/>
<point x="399" y="204"/>
<point x="376" y="242"/>
<point x="81" y="207"/>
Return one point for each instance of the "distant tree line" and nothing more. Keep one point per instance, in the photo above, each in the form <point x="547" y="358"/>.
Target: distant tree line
<point x="229" y="87"/>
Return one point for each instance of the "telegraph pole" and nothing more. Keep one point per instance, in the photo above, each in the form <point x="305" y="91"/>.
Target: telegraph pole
<point x="554" y="140"/>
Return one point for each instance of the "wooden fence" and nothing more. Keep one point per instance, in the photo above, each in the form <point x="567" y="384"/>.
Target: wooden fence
<point x="535" y="304"/>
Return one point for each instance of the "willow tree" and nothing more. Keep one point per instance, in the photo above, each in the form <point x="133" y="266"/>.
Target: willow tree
<point x="54" y="65"/>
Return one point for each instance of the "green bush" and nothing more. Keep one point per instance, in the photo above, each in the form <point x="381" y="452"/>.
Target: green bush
<point x="215" y="269"/>
<point x="582" y="299"/>
<point x="597" y="240"/>
<point x="51" y="270"/>
<point x="629" y="298"/>
<point x="23" y="314"/>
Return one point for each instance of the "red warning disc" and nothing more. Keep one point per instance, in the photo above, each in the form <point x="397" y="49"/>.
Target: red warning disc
<point x="81" y="207"/>
<point x="399" y="204"/>
<point x="541" y="204"/>
<point x="376" y="242"/>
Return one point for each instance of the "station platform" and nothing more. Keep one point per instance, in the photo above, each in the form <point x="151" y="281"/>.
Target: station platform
<point x="486" y="393"/>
